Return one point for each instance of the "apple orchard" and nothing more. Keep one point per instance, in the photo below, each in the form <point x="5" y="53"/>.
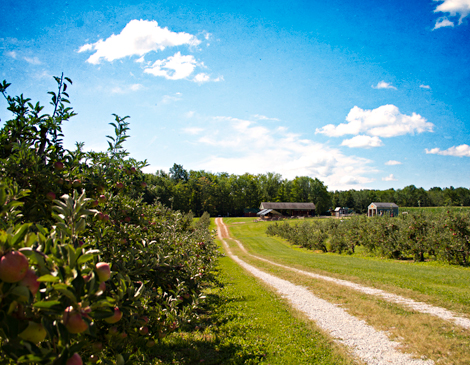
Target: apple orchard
<point x="89" y="272"/>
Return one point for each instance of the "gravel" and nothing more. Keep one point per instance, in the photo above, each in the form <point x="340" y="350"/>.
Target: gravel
<point x="370" y="345"/>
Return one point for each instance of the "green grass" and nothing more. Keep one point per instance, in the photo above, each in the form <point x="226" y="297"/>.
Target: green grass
<point x="432" y="209"/>
<point x="441" y="284"/>
<point x="243" y="322"/>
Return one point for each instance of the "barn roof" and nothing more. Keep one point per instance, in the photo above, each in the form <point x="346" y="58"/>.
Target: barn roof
<point x="295" y="206"/>
<point x="384" y="205"/>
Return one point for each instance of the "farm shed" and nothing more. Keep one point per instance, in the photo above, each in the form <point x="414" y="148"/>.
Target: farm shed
<point x="341" y="211"/>
<point x="390" y="209"/>
<point x="290" y="209"/>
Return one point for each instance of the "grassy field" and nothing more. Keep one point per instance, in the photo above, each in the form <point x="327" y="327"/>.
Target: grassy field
<point x="432" y="209"/>
<point x="441" y="284"/>
<point x="419" y="333"/>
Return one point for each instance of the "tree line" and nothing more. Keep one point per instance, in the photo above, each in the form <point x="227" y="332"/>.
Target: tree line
<point x="230" y="194"/>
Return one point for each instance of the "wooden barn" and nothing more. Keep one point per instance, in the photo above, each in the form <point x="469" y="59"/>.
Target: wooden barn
<point x="287" y="209"/>
<point x="381" y="209"/>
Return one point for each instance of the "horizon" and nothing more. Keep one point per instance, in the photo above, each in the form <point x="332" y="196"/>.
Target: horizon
<point x="358" y="95"/>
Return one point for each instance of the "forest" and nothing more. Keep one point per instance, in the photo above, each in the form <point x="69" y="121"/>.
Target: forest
<point x="231" y="195"/>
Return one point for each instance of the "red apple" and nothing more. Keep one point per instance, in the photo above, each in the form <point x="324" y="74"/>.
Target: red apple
<point x="76" y="183"/>
<point x="145" y="319"/>
<point x="94" y="359"/>
<point x="94" y="203"/>
<point x="51" y="196"/>
<point x="127" y="219"/>
<point x="30" y="280"/>
<point x="73" y="321"/>
<point x="116" y="317"/>
<point x="144" y="184"/>
<point x="102" y="287"/>
<point x="144" y="330"/>
<point x="35" y="332"/>
<point x="13" y="267"/>
<point x="102" y="199"/>
<point x="97" y="346"/>
<point x="58" y="165"/>
<point x="120" y="185"/>
<point x="123" y="335"/>
<point x="103" y="270"/>
<point x="150" y="343"/>
<point x="106" y="218"/>
<point x="74" y="360"/>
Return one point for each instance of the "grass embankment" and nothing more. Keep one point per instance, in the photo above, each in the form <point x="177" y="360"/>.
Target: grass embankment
<point x="243" y="322"/>
<point x="422" y="334"/>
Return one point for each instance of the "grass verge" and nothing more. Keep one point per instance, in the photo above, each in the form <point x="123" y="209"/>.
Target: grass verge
<point x="435" y="283"/>
<point x="243" y="322"/>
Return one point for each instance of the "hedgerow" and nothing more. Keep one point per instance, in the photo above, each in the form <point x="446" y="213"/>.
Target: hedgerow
<point x="436" y="236"/>
<point x="88" y="271"/>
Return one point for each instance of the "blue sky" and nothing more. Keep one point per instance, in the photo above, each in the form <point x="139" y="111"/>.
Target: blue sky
<point x="358" y="94"/>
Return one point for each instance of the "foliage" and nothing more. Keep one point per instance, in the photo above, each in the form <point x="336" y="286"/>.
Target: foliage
<point x="438" y="236"/>
<point x="224" y="194"/>
<point x="108" y="275"/>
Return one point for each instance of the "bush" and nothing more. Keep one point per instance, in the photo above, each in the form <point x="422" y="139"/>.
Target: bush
<point x="87" y="269"/>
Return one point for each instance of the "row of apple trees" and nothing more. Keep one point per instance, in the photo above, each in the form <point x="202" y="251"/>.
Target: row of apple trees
<point x="438" y="236"/>
<point x="88" y="272"/>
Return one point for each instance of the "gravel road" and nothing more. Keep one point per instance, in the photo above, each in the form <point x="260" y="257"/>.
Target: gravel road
<point x="370" y="345"/>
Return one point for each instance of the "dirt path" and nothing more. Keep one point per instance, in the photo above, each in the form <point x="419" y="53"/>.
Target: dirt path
<point x="370" y="345"/>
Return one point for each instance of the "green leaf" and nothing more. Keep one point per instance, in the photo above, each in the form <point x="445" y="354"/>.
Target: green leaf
<point x="84" y="258"/>
<point x="46" y="304"/>
<point x="48" y="278"/>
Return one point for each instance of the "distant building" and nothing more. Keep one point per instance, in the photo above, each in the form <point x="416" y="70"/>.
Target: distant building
<point x="341" y="211"/>
<point x="250" y="212"/>
<point x="287" y="209"/>
<point x="381" y="209"/>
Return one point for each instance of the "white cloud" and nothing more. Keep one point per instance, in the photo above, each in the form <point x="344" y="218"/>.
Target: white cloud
<point x="263" y="117"/>
<point x="138" y="38"/>
<point x="362" y="142"/>
<point x="385" y="121"/>
<point x="384" y="85"/>
<point x="12" y="54"/>
<point x="127" y="89"/>
<point x="443" y="22"/>
<point x="193" y="130"/>
<point x="32" y="60"/>
<point x="241" y="146"/>
<point x="171" y="98"/>
<point x="453" y="8"/>
<point x="390" y="177"/>
<point x="425" y="87"/>
<point x="460" y="151"/>
<point x="201" y="77"/>
<point x="392" y="163"/>
<point x="175" y="67"/>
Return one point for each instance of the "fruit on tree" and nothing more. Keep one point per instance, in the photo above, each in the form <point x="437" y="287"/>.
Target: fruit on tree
<point x="58" y="165"/>
<point x="13" y="267"/>
<point x="103" y="270"/>
<point x="144" y="184"/>
<point x="30" y="280"/>
<point x="102" y="199"/>
<point x="144" y="330"/>
<point x="74" y="321"/>
<point x="35" y="332"/>
<point x="76" y="183"/>
<point x="120" y="185"/>
<point x="74" y="360"/>
<point x="94" y="359"/>
<point x="50" y="195"/>
<point x="116" y="317"/>
<point x="150" y="343"/>
<point x="94" y="203"/>
<point x="120" y="360"/>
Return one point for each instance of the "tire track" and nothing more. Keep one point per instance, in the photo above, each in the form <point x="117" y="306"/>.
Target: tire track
<point x="368" y="344"/>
